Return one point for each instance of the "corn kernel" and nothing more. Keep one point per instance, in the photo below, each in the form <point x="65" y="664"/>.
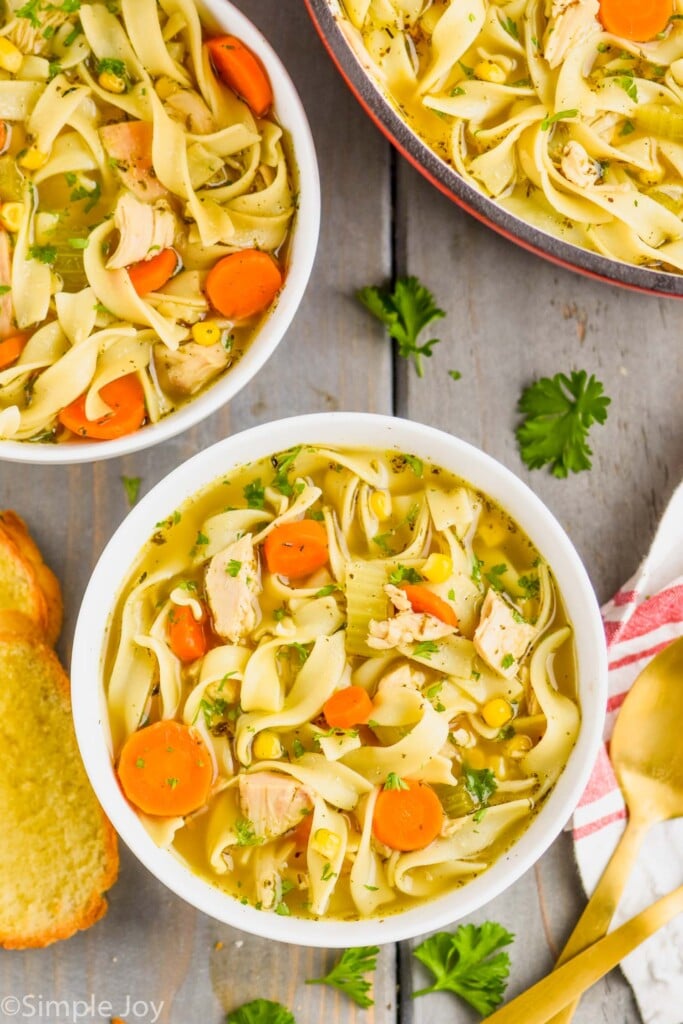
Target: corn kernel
<point x="497" y="712"/>
<point x="206" y="332"/>
<point x="111" y="82"/>
<point x="518" y="746"/>
<point x="380" y="503"/>
<point x="165" y="87"/>
<point x="492" y="531"/>
<point x="11" y="216"/>
<point x="32" y="159"/>
<point x="437" y="568"/>
<point x="11" y="58"/>
<point x="487" y="71"/>
<point x="476" y="759"/>
<point x="325" y="843"/>
<point x="267" y="746"/>
<point x="497" y="765"/>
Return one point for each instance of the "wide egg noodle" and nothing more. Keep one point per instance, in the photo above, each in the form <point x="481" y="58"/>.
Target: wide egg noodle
<point x="141" y="18"/>
<point x="333" y="781"/>
<point x="323" y="872"/>
<point x="367" y="881"/>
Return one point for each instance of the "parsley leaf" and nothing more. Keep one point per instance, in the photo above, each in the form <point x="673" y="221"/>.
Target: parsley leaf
<point x="347" y="975"/>
<point x="404" y="574"/>
<point x="561" y="115"/>
<point x="468" y="962"/>
<point x="425" y="649"/>
<point x="43" y="253"/>
<point x="131" y="485"/>
<point x="405" y="312"/>
<point x="260" y="1011"/>
<point x="394" y="781"/>
<point x="283" y="463"/>
<point x="255" y="494"/>
<point x="246" y="836"/>
<point x="510" y="27"/>
<point x="558" y="412"/>
<point x="233" y="568"/>
<point x="480" y="783"/>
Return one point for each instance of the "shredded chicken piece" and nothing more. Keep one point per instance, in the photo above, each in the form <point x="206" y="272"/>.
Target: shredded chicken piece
<point x="232" y="586"/>
<point x="190" y="368"/>
<point x="273" y="803"/>
<point x="570" y="23"/>
<point x="398" y="598"/>
<point x="144" y="230"/>
<point x="36" y="39"/>
<point x="578" y="167"/>
<point x="187" y="107"/>
<point x="499" y="638"/>
<point x="406" y="628"/>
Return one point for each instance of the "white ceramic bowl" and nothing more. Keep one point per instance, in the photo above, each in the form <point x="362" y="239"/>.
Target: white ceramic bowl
<point x="223" y="16"/>
<point x="348" y="430"/>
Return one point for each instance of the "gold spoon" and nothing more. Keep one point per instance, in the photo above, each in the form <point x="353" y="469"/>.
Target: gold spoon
<point x="647" y="757"/>
<point x="572" y="979"/>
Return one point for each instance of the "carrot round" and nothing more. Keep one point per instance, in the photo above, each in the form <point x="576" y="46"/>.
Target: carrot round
<point x="127" y="401"/>
<point x="243" y="284"/>
<point x="348" y="707"/>
<point x="151" y="275"/>
<point x="186" y="635"/>
<point x="638" y="20"/>
<point x="165" y="769"/>
<point x="422" y="599"/>
<point x="296" y="549"/>
<point x="242" y="71"/>
<point x="407" y="818"/>
<point x="11" y="349"/>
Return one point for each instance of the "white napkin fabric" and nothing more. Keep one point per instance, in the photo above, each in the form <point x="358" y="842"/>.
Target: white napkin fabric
<point x="641" y="619"/>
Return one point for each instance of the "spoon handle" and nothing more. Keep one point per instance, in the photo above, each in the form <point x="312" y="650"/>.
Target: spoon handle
<point x="599" y="911"/>
<point x="538" y="1004"/>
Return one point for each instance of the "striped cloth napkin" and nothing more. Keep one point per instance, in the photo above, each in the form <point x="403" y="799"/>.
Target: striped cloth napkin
<point x="641" y="619"/>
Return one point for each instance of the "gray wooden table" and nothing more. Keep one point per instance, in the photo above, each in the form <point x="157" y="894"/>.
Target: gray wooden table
<point x="510" y="318"/>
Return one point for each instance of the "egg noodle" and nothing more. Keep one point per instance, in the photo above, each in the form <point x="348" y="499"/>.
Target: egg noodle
<point x="291" y="821"/>
<point x="564" y="124"/>
<point x="89" y="80"/>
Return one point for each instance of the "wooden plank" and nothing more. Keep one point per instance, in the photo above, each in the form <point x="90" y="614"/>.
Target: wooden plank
<point x="512" y="318"/>
<point x="152" y="947"/>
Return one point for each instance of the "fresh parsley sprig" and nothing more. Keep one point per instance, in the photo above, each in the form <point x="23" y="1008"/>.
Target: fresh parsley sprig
<point x="348" y="975"/>
<point x="559" y="412"/>
<point x="405" y="311"/>
<point x="260" y="1011"/>
<point x="468" y="963"/>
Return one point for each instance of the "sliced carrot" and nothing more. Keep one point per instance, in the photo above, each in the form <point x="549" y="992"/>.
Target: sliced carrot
<point x="127" y="401"/>
<point x="422" y="599"/>
<point x="244" y="283"/>
<point x="11" y="349"/>
<point x="638" y="20"/>
<point x="151" y="275"/>
<point x="242" y="71"/>
<point x="165" y="769"/>
<point x="348" y="707"/>
<point x="296" y="549"/>
<point x="186" y="635"/>
<point x="407" y="818"/>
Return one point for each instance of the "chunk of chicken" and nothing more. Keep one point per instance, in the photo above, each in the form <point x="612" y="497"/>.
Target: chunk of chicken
<point x="190" y="368"/>
<point x="273" y="803"/>
<point x="129" y="143"/>
<point x="33" y="35"/>
<point x="232" y="586"/>
<point x="500" y="639"/>
<point x="578" y="167"/>
<point x="144" y="230"/>
<point x="187" y="107"/>
<point x="6" y="312"/>
<point x="570" y="22"/>
<point x="406" y="628"/>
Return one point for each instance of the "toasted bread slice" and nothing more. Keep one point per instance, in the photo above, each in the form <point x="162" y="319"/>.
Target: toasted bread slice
<point x="19" y="587"/>
<point x="58" y="852"/>
<point x="17" y="529"/>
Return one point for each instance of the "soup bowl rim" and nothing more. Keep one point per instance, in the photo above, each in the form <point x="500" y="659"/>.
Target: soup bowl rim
<point x="290" y="113"/>
<point x="343" y="430"/>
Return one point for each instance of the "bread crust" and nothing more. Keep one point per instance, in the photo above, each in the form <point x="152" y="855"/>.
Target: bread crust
<point x="94" y="906"/>
<point x="17" y="529"/>
<point x="23" y="576"/>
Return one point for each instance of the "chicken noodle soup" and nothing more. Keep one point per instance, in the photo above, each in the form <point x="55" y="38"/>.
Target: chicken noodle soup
<point x="338" y="682"/>
<point x="568" y="113"/>
<point x="145" y="206"/>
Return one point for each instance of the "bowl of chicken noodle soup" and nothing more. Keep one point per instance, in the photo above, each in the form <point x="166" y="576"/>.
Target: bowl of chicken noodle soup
<point x="159" y="210"/>
<point x="557" y="123"/>
<point x="360" y="688"/>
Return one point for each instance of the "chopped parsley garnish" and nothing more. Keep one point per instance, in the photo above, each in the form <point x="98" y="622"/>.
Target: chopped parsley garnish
<point x="202" y="539"/>
<point x="260" y="1011"/>
<point x="302" y="651"/>
<point x="172" y="783"/>
<point x="140" y="762"/>
<point x="283" y="464"/>
<point x="415" y="464"/>
<point x="480" y="783"/>
<point x="494" y="574"/>
<point x="246" y="836"/>
<point x="510" y="27"/>
<point x="405" y="311"/>
<point x="468" y="963"/>
<point x="233" y="567"/>
<point x="325" y="591"/>
<point x="5" y="288"/>
<point x="476" y="569"/>
<point x="404" y="574"/>
<point x="29" y="11"/>
<point x="78" y="243"/>
<point x="507" y="661"/>
<point x="561" y="115"/>
<point x="382" y="540"/>
<point x="327" y="872"/>
<point x="91" y="194"/>
<point x="43" y="253"/>
<point x="455" y="374"/>
<point x="298" y="749"/>
<point x="131" y="485"/>
<point x="531" y="585"/>
<point x="425" y="649"/>
<point x="110" y="65"/>
<point x="627" y="128"/>
<point x="559" y="412"/>
<point x="394" y="781"/>
<point x="506" y="733"/>
<point x="255" y="494"/>
<point x="348" y="975"/>
<point x="628" y="84"/>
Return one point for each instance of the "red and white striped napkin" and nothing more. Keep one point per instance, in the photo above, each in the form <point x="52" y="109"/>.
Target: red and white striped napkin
<point x="641" y="619"/>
